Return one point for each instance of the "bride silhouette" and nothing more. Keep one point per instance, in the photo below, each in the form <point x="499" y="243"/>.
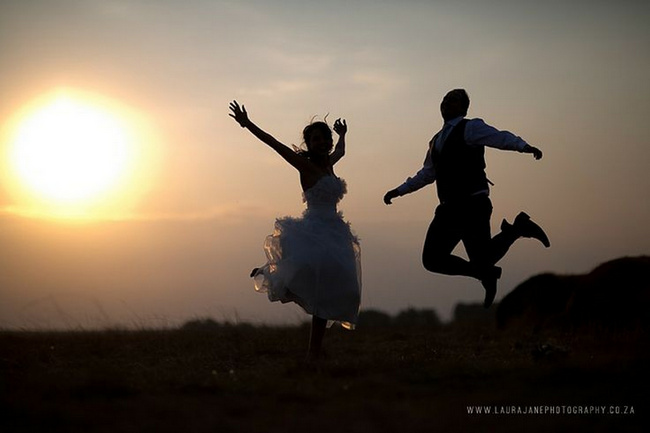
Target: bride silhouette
<point x="314" y="260"/>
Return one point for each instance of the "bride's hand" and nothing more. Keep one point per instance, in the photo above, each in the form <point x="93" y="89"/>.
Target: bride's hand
<point x="340" y="127"/>
<point x="239" y="114"/>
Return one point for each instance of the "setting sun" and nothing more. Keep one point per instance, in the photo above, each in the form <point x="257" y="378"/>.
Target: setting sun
<point x="72" y="154"/>
<point x="69" y="151"/>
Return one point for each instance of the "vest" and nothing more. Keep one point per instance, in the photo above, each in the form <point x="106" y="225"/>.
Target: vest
<point x="460" y="168"/>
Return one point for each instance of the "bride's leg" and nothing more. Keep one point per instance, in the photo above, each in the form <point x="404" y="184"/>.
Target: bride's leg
<point x="318" y="327"/>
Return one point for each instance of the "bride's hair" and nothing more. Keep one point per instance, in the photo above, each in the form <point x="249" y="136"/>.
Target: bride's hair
<point x="320" y="125"/>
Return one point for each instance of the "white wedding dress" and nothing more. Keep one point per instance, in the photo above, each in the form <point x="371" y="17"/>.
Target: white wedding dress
<point x="315" y="261"/>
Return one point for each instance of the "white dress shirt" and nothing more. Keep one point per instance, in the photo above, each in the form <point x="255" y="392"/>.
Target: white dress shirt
<point x="477" y="133"/>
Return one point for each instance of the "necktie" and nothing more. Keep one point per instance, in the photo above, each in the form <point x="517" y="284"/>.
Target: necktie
<point x="443" y="136"/>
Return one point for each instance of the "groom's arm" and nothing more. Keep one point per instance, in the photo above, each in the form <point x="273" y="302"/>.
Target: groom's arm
<point x="479" y="133"/>
<point x="425" y="176"/>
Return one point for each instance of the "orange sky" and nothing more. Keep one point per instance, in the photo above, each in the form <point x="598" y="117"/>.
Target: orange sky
<point x="569" y="78"/>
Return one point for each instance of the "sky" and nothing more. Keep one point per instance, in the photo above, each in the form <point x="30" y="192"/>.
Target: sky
<point x="178" y="240"/>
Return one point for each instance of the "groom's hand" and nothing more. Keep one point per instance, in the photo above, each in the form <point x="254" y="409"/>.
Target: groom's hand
<point x="390" y="195"/>
<point x="537" y="154"/>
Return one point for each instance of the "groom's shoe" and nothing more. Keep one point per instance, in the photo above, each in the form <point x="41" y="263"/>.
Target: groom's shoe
<point x="525" y="227"/>
<point x="489" y="282"/>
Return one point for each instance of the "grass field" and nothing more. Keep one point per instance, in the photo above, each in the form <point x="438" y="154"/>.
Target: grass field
<point x="378" y="379"/>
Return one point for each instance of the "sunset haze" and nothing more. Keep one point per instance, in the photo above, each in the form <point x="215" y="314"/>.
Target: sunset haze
<point x="177" y="232"/>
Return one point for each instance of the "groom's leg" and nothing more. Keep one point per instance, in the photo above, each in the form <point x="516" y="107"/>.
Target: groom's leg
<point x="477" y="241"/>
<point x="501" y="243"/>
<point x="477" y="237"/>
<point x="445" y="232"/>
<point x="523" y="226"/>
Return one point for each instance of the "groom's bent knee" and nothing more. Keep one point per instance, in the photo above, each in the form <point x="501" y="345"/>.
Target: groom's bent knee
<point x="433" y="263"/>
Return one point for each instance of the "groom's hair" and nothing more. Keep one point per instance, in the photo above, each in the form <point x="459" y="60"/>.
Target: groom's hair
<point x="463" y="98"/>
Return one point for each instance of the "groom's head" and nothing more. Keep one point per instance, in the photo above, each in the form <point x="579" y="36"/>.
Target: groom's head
<point x="454" y="104"/>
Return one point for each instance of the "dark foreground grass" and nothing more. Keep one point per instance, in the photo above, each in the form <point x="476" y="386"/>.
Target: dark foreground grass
<point x="242" y="378"/>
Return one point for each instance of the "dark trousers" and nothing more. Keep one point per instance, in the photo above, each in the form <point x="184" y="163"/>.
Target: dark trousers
<point x="466" y="221"/>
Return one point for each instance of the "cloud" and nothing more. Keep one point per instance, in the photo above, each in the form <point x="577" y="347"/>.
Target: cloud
<point x="378" y="83"/>
<point x="283" y="88"/>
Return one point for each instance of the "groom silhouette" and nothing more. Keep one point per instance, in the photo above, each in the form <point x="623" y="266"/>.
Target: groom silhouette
<point x="455" y="159"/>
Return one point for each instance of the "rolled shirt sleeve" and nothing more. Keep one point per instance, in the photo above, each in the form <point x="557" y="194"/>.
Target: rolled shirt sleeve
<point x="425" y="176"/>
<point x="479" y="133"/>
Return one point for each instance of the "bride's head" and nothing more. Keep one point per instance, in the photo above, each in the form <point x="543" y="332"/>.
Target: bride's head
<point x="317" y="137"/>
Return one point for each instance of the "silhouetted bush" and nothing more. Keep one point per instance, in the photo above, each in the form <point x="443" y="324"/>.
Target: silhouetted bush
<point x="415" y="317"/>
<point x="615" y="295"/>
<point x="374" y="318"/>
<point x="201" y="325"/>
<point x="473" y="315"/>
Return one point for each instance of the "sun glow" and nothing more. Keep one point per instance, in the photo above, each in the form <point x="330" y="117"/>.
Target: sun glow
<point x="76" y="155"/>
<point x="69" y="151"/>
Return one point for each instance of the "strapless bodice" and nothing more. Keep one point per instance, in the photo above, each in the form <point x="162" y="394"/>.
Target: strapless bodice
<point x="325" y="194"/>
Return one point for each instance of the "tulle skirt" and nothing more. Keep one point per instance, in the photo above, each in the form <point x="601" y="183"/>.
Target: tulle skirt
<point x="315" y="262"/>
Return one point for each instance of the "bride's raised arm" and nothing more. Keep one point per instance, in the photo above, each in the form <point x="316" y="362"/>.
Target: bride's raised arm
<point x="241" y="116"/>
<point x="341" y="128"/>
